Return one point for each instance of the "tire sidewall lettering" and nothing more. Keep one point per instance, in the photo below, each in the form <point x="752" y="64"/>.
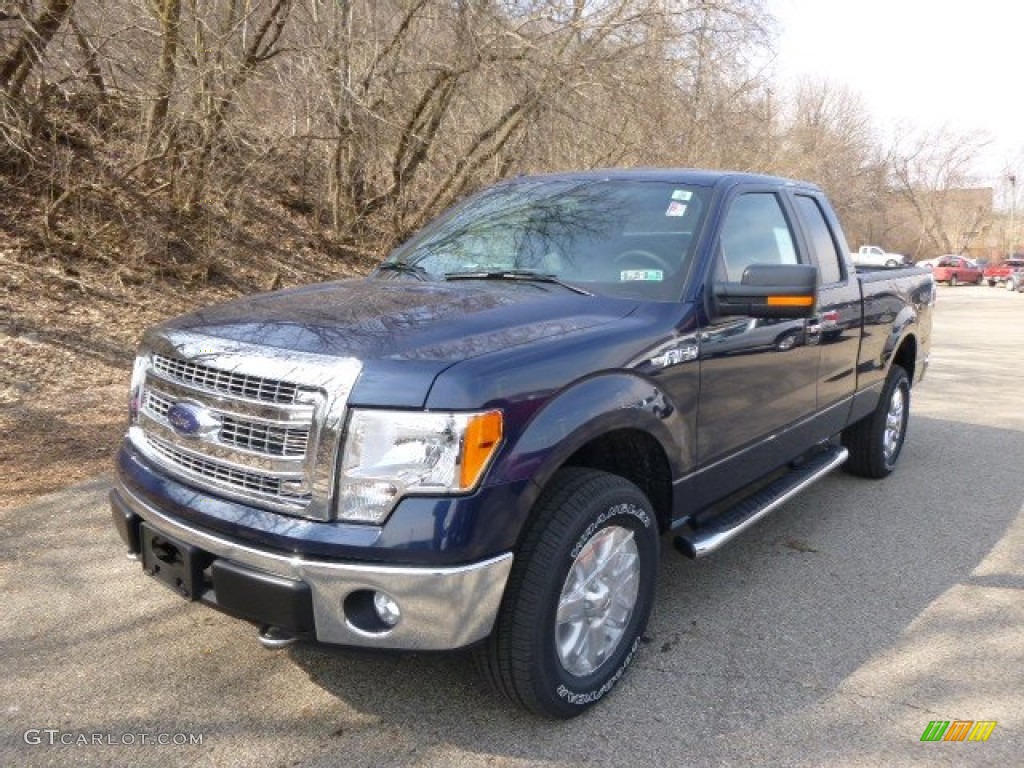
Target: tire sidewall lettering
<point x="627" y="514"/>
<point x="589" y="697"/>
<point x="617" y="510"/>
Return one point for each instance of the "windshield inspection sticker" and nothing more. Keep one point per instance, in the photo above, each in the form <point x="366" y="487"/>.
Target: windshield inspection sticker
<point x="676" y="209"/>
<point x="682" y="195"/>
<point x="655" y="275"/>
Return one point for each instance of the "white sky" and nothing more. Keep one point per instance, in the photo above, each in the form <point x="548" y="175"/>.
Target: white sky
<point x="918" y="62"/>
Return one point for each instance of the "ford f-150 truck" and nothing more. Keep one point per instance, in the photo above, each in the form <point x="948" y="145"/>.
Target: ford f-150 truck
<point x="484" y="443"/>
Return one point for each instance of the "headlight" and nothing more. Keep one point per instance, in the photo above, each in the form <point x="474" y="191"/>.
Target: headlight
<point x="391" y="454"/>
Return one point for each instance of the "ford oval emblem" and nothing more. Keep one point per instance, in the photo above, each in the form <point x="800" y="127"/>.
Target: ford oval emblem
<point x="191" y="419"/>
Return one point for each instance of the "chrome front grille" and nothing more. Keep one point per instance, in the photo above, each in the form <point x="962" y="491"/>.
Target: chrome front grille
<point x="254" y="424"/>
<point x="157" y="404"/>
<point x="264" y="438"/>
<point x="257" y="436"/>
<point x="252" y="482"/>
<point x="255" y="440"/>
<point x="228" y="382"/>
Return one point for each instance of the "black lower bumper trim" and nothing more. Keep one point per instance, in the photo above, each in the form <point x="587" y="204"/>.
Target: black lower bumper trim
<point x="237" y="590"/>
<point x="263" y="597"/>
<point x="126" y="522"/>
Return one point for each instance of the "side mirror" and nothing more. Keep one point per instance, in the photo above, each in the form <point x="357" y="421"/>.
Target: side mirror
<point x="770" y="290"/>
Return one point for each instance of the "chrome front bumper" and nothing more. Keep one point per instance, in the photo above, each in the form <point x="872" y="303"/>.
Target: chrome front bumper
<point x="442" y="607"/>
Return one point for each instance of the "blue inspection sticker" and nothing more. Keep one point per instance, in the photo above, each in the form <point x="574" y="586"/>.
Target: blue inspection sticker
<point x="655" y="275"/>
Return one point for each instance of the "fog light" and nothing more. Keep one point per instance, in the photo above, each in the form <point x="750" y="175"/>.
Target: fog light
<point x="387" y="609"/>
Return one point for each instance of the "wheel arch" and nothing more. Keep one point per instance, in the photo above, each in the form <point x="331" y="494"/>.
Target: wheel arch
<point x="906" y="355"/>
<point x="901" y="345"/>
<point x="637" y="456"/>
<point x="619" y="423"/>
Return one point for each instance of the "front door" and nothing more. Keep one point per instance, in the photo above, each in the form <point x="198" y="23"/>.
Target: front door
<point x="757" y="376"/>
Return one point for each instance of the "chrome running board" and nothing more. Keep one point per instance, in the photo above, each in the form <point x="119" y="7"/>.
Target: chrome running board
<point x="707" y="538"/>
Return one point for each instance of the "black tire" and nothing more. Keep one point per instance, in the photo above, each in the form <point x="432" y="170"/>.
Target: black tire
<point x="892" y="263"/>
<point x="521" y="658"/>
<point x="981" y="280"/>
<point x="873" y="452"/>
<point x="1010" y="286"/>
<point x="954" y="280"/>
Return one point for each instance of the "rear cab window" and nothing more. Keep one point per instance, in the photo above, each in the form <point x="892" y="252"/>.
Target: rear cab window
<point x="820" y="238"/>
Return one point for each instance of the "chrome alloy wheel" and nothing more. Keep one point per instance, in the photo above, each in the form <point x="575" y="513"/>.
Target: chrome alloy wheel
<point x="597" y="600"/>
<point x="893" y="425"/>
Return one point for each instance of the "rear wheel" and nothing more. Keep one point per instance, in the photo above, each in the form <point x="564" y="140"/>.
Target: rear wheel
<point x="579" y="595"/>
<point x="876" y="440"/>
<point x="1010" y="286"/>
<point x="954" y="280"/>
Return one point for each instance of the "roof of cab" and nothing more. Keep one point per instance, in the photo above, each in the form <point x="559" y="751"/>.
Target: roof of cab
<point x="694" y="176"/>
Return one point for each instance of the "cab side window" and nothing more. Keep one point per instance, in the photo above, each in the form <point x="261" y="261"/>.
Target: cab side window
<point x="820" y="235"/>
<point x="755" y="231"/>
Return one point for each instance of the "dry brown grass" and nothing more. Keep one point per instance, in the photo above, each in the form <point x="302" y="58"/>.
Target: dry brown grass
<point x="68" y="329"/>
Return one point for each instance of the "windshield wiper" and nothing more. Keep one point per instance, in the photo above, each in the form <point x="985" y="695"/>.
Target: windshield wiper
<point x="404" y="268"/>
<point x="516" y="274"/>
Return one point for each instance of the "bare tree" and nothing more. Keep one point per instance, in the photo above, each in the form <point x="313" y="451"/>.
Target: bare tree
<point x="168" y="16"/>
<point x="825" y="135"/>
<point x="369" y="116"/>
<point x="931" y="172"/>
<point x="31" y="43"/>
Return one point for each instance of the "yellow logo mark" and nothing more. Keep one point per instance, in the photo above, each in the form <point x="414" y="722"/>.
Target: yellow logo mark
<point x="982" y="730"/>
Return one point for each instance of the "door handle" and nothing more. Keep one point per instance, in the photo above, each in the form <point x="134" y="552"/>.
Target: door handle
<point x="826" y="321"/>
<point x="817" y="325"/>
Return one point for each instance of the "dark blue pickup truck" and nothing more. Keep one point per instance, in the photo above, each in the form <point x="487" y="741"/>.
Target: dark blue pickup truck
<point x="485" y="442"/>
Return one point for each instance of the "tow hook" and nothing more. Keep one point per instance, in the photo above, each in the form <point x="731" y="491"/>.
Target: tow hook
<point x="275" y="638"/>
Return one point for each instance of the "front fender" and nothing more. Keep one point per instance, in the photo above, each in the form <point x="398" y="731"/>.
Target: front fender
<point x="588" y="409"/>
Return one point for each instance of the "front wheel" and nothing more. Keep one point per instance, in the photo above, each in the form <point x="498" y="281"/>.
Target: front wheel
<point x="578" y="597"/>
<point x="876" y="440"/>
<point x="1010" y="286"/>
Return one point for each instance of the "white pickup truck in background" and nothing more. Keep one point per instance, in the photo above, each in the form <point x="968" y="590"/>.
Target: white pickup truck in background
<point x="873" y="256"/>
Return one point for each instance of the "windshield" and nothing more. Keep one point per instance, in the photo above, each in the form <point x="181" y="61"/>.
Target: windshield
<point x="616" y="238"/>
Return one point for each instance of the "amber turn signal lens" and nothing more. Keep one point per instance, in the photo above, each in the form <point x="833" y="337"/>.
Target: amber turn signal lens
<point x="483" y="434"/>
<point x="790" y="301"/>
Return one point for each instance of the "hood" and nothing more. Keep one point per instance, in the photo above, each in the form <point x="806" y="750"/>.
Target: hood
<point x="397" y="319"/>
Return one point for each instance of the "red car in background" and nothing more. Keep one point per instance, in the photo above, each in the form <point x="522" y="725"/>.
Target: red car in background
<point x="956" y="270"/>
<point x="1001" y="272"/>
